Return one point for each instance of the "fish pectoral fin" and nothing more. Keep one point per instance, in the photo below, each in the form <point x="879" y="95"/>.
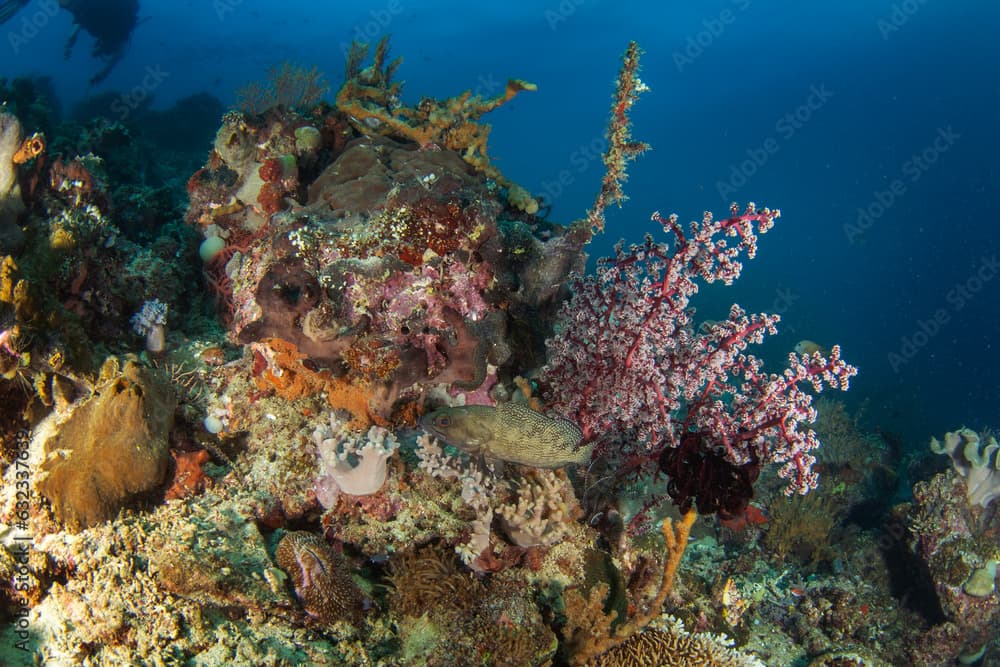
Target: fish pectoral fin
<point x="492" y="464"/>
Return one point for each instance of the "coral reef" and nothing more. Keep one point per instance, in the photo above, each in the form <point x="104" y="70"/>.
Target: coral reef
<point x="387" y="263"/>
<point x="955" y="539"/>
<point x="371" y="101"/>
<point x="269" y="486"/>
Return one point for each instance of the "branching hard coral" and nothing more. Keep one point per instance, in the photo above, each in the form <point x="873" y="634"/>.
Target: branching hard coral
<point x="372" y="103"/>
<point x="542" y="510"/>
<point x="478" y="491"/>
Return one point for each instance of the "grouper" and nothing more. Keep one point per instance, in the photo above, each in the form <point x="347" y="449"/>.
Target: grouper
<point x="509" y="432"/>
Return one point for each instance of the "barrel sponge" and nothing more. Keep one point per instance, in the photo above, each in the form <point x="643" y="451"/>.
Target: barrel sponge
<point x="111" y="449"/>
<point x="976" y="460"/>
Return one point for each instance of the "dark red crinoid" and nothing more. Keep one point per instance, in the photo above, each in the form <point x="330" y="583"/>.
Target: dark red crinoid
<point x="702" y="476"/>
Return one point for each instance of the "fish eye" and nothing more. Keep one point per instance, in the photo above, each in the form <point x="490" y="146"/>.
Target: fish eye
<point x="442" y="421"/>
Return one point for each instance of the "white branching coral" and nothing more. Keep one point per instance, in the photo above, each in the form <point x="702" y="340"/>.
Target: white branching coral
<point x="541" y="513"/>
<point x="477" y="492"/>
<point x="350" y="462"/>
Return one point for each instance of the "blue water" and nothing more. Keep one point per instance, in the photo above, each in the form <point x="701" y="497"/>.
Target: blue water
<point x="872" y="124"/>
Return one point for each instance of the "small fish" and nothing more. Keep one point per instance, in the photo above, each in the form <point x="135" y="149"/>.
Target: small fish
<point x="810" y="347"/>
<point x="509" y="432"/>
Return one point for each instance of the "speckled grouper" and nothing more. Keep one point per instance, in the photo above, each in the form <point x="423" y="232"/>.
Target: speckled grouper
<point x="509" y="432"/>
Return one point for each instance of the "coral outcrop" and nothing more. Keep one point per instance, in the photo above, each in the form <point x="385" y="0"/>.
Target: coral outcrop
<point x="370" y="99"/>
<point x="956" y="540"/>
<point x="976" y="459"/>
<point x="390" y="264"/>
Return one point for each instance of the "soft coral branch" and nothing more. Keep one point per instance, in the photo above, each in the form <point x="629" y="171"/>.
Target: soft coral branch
<point x="628" y="366"/>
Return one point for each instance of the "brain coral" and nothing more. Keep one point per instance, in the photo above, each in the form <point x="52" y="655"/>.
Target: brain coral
<point x="670" y="645"/>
